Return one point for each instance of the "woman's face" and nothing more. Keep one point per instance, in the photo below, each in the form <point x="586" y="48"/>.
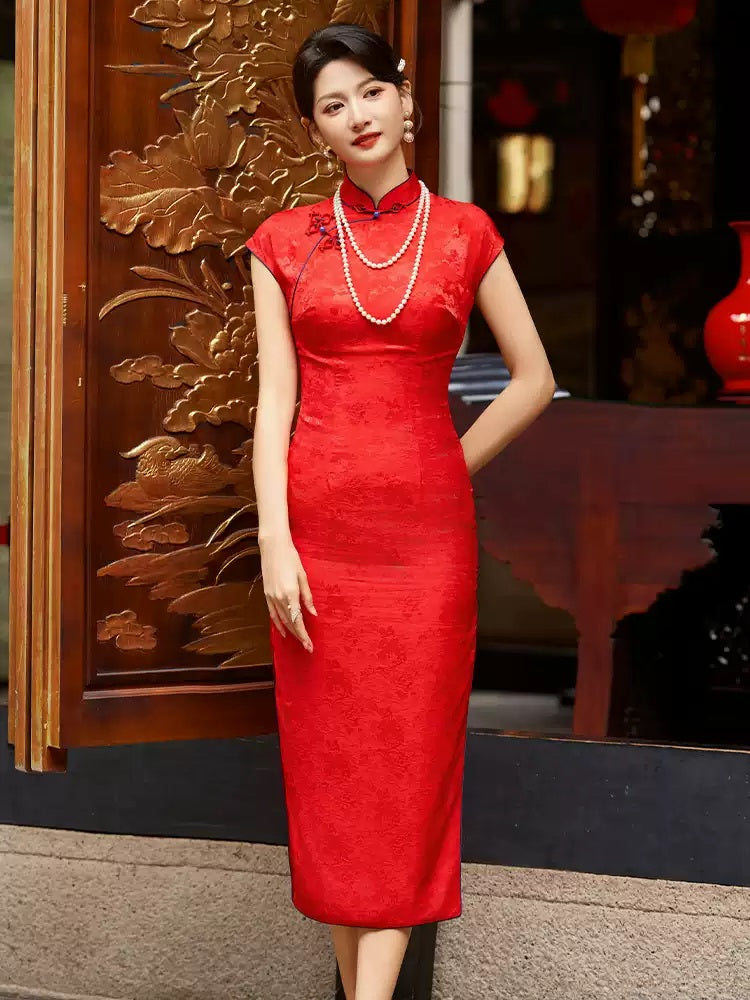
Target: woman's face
<point x="348" y="102"/>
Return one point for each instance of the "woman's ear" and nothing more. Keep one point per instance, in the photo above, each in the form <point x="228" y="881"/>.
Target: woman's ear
<point x="312" y="131"/>
<point x="406" y="98"/>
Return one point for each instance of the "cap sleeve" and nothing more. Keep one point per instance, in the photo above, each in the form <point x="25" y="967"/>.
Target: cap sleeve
<point x="489" y="245"/>
<point x="261" y="244"/>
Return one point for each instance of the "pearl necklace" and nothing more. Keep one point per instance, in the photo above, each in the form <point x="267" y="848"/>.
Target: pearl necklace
<point x="407" y="242"/>
<point x="344" y="229"/>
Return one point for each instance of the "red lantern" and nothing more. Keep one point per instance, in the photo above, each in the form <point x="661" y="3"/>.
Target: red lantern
<point x="639" y="21"/>
<point x="511" y="105"/>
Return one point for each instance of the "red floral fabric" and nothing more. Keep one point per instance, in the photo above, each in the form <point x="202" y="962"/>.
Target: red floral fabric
<point x="372" y="723"/>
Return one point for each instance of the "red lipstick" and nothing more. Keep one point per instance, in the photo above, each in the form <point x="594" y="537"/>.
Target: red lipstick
<point x="367" y="140"/>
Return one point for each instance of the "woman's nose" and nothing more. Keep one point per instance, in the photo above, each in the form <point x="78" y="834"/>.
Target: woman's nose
<point x="357" y="118"/>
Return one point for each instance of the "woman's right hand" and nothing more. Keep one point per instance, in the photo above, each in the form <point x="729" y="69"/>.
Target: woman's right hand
<point x="285" y="583"/>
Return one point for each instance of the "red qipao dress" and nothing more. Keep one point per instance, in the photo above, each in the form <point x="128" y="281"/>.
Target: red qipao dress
<point x="372" y="723"/>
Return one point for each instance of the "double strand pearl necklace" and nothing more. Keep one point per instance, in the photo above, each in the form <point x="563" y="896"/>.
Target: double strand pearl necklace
<point x="342" y="224"/>
<point x="406" y="244"/>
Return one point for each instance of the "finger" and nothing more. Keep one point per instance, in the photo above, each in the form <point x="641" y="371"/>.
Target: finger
<point x="280" y="603"/>
<point x="288" y="602"/>
<point x="302" y="635"/>
<point x="306" y="594"/>
<point x="276" y="620"/>
<point x="274" y="614"/>
<point x="298" y="626"/>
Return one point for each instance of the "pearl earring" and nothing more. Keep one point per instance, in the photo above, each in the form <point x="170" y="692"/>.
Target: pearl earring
<point x="408" y="130"/>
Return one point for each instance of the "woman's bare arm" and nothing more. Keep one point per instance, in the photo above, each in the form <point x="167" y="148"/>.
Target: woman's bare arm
<point x="277" y="396"/>
<point x="284" y="578"/>
<point x="532" y="383"/>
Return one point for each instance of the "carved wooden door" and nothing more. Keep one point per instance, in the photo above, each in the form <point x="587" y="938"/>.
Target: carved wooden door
<point x="148" y="148"/>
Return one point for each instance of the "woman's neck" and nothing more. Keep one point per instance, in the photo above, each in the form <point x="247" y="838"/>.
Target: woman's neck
<point x="380" y="178"/>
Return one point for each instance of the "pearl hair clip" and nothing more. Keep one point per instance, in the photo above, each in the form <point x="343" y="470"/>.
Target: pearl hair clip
<point x="401" y="64"/>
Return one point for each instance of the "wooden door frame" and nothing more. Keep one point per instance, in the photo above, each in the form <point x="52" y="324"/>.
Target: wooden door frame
<point x="49" y="708"/>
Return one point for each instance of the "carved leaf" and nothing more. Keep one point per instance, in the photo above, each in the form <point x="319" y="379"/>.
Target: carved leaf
<point x="216" y="399"/>
<point x="166" y="194"/>
<point x="358" y="12"/>
<point x="185" y="22"/>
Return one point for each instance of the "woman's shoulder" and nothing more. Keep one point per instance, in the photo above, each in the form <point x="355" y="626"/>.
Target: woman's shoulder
<point x="478" y="233"/>
<point x="279" y="219"/>
<point x="467" y="212"/>
<point x="279" y="231"/>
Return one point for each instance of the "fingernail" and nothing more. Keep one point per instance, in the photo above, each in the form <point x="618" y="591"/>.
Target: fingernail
<point x="312" y="608"/>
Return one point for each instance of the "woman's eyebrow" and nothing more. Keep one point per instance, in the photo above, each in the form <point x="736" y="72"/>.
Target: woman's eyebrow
<point x="338" y="93"/>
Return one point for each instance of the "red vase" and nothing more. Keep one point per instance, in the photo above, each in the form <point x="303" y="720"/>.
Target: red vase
<point x="726" y="333"/>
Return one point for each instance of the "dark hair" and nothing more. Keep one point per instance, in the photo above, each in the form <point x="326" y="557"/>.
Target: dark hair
<point x="344" y="41"/>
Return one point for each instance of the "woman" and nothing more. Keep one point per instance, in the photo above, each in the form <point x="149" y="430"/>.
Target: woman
<point x="369" y="513"/>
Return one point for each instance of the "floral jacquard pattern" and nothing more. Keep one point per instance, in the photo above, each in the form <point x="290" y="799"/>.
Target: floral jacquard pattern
<point x="372" y="723"/>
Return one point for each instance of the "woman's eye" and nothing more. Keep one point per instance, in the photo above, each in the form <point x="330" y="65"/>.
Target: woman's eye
<point x="372" y="90"/>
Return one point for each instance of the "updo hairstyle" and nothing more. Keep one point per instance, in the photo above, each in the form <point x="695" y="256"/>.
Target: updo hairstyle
<point x="344" y="41"/>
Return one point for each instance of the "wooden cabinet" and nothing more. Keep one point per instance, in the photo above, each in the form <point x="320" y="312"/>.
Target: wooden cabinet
<point x="148" y="148"/>
<point x="601" y="506"/>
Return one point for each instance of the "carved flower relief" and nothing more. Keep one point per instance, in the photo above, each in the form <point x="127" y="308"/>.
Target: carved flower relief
<point x="187" y="21"/>
<point x="221" y="354"/>
<point x="208" y="186"/>
<point x="233" y="346"/>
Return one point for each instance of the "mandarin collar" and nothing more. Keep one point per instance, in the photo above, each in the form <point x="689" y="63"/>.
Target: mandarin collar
<point x="398" y="197"/>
